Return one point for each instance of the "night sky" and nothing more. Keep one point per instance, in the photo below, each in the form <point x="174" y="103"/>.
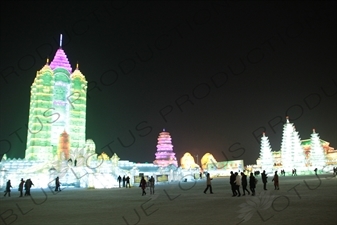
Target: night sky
<point x="213" y="74"/>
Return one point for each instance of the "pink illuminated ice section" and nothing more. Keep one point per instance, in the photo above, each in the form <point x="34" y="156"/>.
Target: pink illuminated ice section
<point x="60" y="61"/>
<point x="165" y="155"/>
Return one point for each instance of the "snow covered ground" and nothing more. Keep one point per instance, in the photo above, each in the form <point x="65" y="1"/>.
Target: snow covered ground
<point x="300" y="200"/>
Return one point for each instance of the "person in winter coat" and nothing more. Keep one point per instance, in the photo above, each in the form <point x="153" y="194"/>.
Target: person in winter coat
<point x="264" y="180"/>
<point x="143" y="185"/>
<point x="244" y="183"/>
<point x="119" y="179"/>
<point x="127" y="180"/>
<point x="237" y="183"/>
<point x="232" y="183"/>
<point x="276" y="181"/>
<point x="252" y="183"/>
<point x="28" y="186"/>
<point x="208" y="184"/>
<point x="8" y="188"/>
<point x="124" y="179"/>
<point x="22" y="182"/>
<point x="151" y="184"/>
<point x="57" y="184"/>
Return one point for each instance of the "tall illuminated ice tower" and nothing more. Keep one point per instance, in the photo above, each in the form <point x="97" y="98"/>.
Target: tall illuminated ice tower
<point x="266" y="156"/>
<point x="165" y="155"/>
<point x="298" y="156"/>
<point x="286" y="146"/>
<point x="317" y="157"/>
<point x="57" y="105"/>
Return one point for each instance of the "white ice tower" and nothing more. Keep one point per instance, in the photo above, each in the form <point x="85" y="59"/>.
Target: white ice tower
<point x="317" y="157"/>
<point x="286" y="146"/>
<point x="297" y="152"/>
<point x="266" y="157"/>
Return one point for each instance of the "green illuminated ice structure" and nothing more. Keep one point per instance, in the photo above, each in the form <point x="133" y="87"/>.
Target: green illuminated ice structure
<point x="57" y="105"/>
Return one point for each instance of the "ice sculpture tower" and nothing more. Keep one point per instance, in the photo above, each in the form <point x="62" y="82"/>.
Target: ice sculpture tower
<point x="266" y="156"/>
<point x="298" y="155"/>
<point x="165" y="155"/>
<point x="286" y="145"/>
<point x="57" y="104"/>
<point x="317" y="157"/>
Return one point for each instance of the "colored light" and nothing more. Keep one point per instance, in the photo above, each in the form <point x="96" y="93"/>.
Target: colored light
<point x="165" y="155"/>
<point x="58" y="104"/>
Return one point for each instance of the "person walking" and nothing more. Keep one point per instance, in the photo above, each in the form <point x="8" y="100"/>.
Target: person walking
<point x="232" y="183"/>
<point x="127" y="179"/>
<point x="142" y="184"/>
<point x="22" y="182"/>
<point x="208" y="184"/>
<point x="124" y="181"/>
<point x="252" y="183"/>
<point x="151" y="184"/>
<point x="276" y="181"/>
<point x="244" y="183"/>
<point x="8" y="188"/>
<point x="237" y="183"/>
<point x="57" y="184"/>
<point x="264" y="179"/>
<point x="119" y="179"/>
<point x="28" y="186"/>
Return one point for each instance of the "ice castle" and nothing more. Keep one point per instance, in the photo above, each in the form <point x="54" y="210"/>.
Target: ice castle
<point x="56" y="138"/>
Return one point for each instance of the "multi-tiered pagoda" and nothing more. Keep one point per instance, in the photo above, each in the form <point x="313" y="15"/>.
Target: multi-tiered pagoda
<point x="165" y="155"/>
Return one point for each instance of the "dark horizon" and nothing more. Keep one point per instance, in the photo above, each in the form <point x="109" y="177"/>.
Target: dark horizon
<point x="214" y="74"/>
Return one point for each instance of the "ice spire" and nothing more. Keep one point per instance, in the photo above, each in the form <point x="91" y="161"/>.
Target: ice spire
<point x="60" y="40"/>
<point x="60" y="59"/>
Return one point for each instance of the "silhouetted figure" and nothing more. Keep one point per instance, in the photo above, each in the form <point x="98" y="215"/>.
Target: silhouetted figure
<point x="252" y="183"/>
<point x="276" y="181"/>
<point x="75" y="162"/>
<point x="8" y="188"/>
<point x="237" y="183"/>
<point x="200" y="175"/>
<point x="232" y="183"/>
<point x="119" y="179"/>
<point x="127" y="179"/>
<point x="28" y="186"/>
<point x="22" y="182"/>
<point x="244" y="184"/>
<point x="315" y="171"/>
<point x="295" y="172"/>
<point x="208" y="184"/>
<point x="264" y="180"/>
<point x="57" y="184"/>
<point x="143" y="185"/>
<point x="151" y="184"/>
<point x="124" y="181"/>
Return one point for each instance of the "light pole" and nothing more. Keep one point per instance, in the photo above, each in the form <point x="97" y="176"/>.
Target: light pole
<point x="197" y="159"/>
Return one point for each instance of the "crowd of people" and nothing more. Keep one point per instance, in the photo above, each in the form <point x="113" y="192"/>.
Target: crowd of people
<point x="240" y="181"/>
<point x="23" y="184"/>
<point x="125" y="182"/>
<point x="237" y="181"/>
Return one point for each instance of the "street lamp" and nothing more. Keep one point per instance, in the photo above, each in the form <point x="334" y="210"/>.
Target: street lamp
<point x="197" y="159"/>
